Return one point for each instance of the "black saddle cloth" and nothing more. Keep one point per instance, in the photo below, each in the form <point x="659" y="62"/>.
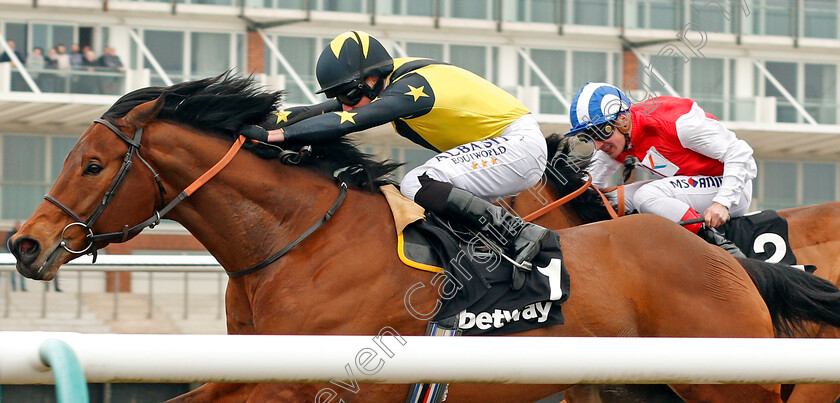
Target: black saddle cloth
<point x="476" y="282"/>
<point x="762" y="235"/>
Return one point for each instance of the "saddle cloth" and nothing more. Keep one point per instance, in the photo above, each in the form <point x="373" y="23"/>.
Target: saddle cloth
<point x="761" y="235"/>
<point x="475" y="283"/>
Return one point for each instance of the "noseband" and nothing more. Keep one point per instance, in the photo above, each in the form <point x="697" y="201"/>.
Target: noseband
<point x="87" y="224"/>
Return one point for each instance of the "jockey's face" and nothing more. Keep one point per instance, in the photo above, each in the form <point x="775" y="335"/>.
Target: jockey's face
<point x="612" y="146"/>
<point x="371" y="81"/>
<point x="612" y="141"/>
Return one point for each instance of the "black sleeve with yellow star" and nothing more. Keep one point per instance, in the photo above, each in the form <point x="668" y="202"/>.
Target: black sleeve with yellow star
<point x="410" y="96"/>
<point x="287" y="116"/>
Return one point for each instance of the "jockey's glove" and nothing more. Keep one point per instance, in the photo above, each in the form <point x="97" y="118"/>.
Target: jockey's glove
<point x="254" y="132"/>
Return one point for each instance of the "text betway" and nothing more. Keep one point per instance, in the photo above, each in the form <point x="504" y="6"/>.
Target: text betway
<point x="498" y="318"/>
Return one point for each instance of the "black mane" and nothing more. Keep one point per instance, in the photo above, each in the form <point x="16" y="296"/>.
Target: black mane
<point x="223" y="104"/>
<point x="567" y="177"/>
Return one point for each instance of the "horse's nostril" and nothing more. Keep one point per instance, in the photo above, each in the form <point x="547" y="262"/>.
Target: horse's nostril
<point x="26" y="249"/>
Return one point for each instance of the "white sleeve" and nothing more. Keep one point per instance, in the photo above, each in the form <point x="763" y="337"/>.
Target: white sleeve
<point x="709" y="137"/>
<point x="601" y="166"/>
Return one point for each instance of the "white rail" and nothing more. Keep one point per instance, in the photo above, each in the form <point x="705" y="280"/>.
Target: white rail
<point x="396" y="359"/>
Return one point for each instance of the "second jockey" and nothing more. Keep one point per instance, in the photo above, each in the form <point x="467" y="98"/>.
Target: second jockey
<point x="704" y="169"/>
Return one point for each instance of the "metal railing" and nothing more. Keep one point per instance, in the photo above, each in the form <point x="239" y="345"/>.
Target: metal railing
<point x="116" y="264"/>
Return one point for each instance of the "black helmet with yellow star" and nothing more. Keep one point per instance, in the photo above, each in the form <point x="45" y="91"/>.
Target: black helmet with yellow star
<point x="346" y="61"/>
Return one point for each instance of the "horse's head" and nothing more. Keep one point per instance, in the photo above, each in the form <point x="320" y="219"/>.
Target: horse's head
<point x="86" y="198"/>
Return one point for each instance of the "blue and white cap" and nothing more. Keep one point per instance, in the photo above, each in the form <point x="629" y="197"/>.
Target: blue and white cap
<point x="595" y="104"/>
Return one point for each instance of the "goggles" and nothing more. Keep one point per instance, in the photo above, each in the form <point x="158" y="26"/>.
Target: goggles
<point x="351" y="97"/>
<point x="601" y="132"/>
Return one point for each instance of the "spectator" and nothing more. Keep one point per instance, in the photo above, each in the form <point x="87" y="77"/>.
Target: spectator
<point x="111" y="62"/>
<point x="62" y="61"/>
<point x="76" y="57"/>
<point x="90" y="82"/>
<point x="5" y="56"/>
<point x="35" y="63"/>
<point x="49" y="82"/>
<point x="15" y="274"/>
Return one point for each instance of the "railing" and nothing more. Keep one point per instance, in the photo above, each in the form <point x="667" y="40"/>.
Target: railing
<point x="152" y="265"/>
<point x="409" y="359"/>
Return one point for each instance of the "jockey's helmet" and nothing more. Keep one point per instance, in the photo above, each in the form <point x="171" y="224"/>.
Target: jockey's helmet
<point x="596" y="104"/>
<point x="347" y="60"/>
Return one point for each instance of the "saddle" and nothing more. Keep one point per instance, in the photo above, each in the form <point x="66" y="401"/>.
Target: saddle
<point x="474" y="281"/>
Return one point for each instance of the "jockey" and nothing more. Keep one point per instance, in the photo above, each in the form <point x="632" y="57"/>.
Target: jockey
<point x="489" y="145"/>
<point x="704" y="167"/>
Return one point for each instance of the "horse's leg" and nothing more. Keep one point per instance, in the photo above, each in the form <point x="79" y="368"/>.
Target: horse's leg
<point x="479" y="393"/>
<point x="215" y="392"/>
<point x="620" y="394"/>
<point x="729" y="393"/>
<point x="817" y="393"/>
<point x="239" y="321"/>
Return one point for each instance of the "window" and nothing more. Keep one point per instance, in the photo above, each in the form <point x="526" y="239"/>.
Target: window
<point x="785" y="73"/>
<point x="472" y="58"/>
<point x="347" y="6"/>
<point x="657" y="14"/>
<point x="553" y="64"/>
<point x="210" y="54"/>
<point x="670" y="68"/>
<point x="588" y="67"/>
<point x="474" y="9"/>
<point x="707" y="85"/>
<point x="301" y="53"/>
<point x="47" y="36"/>
<point x="422" y="8"/>
<point x="813" y="85"/>
<point x="168" y="49"/>
<point x="536" y="11"/>
<point x="785" y="184"/>
<point x="820" y="19"/>
<point x="779" y="185"/>
<point x="821" y="92"/>
<point x="429" y="50"/>
<point x="593" y="12"/>
<point x="818" y="181"/>
<point x="773" y="17"/>
<point x="713" y="16"/>
<point x="25" y="168"/>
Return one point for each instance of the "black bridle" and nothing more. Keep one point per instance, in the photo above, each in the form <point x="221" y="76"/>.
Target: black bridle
<point x="87" y="224"/>
<point x="286" y="157"/>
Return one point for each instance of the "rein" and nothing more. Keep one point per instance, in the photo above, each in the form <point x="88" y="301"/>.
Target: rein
<point x="571" y="196"/>
<point x="134" y="150"/>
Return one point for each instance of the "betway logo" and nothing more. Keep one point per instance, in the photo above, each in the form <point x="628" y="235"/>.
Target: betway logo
<point x="499" y="317"/>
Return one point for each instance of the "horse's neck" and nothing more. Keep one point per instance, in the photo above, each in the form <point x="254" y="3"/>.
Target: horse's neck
<point x="248" y="211"/>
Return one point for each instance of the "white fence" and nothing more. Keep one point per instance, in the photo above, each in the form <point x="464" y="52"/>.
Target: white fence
<point x="392" y="358"/>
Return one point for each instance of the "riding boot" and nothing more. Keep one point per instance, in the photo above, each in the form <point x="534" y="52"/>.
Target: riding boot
<point x="527" y="238"/>
<point x="714" y="237"/>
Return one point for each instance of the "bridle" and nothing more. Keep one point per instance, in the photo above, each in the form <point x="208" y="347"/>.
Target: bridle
<point x="87" y="224"/>
<point x="286" y="157"/>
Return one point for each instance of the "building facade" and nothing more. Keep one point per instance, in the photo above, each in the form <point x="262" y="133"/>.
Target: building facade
<point x="767" y="68"/>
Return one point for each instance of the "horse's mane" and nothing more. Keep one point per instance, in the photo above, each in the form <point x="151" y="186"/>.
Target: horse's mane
<point x="225" y="103"/>
<point x="565" y="175"/>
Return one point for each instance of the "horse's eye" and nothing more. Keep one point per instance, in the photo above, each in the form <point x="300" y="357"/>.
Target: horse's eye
<point x="93" y="169"/>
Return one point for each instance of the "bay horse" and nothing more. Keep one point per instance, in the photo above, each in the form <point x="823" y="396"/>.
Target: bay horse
<point x="346" y="277"/>
<point x="812" y="233"/>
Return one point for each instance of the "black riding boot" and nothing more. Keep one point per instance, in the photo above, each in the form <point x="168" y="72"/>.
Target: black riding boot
<point x="502" y="226"/>
<point x="714" y="237"/>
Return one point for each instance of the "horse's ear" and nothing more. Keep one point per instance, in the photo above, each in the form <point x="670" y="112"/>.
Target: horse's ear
<point x="143" y="113"/>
